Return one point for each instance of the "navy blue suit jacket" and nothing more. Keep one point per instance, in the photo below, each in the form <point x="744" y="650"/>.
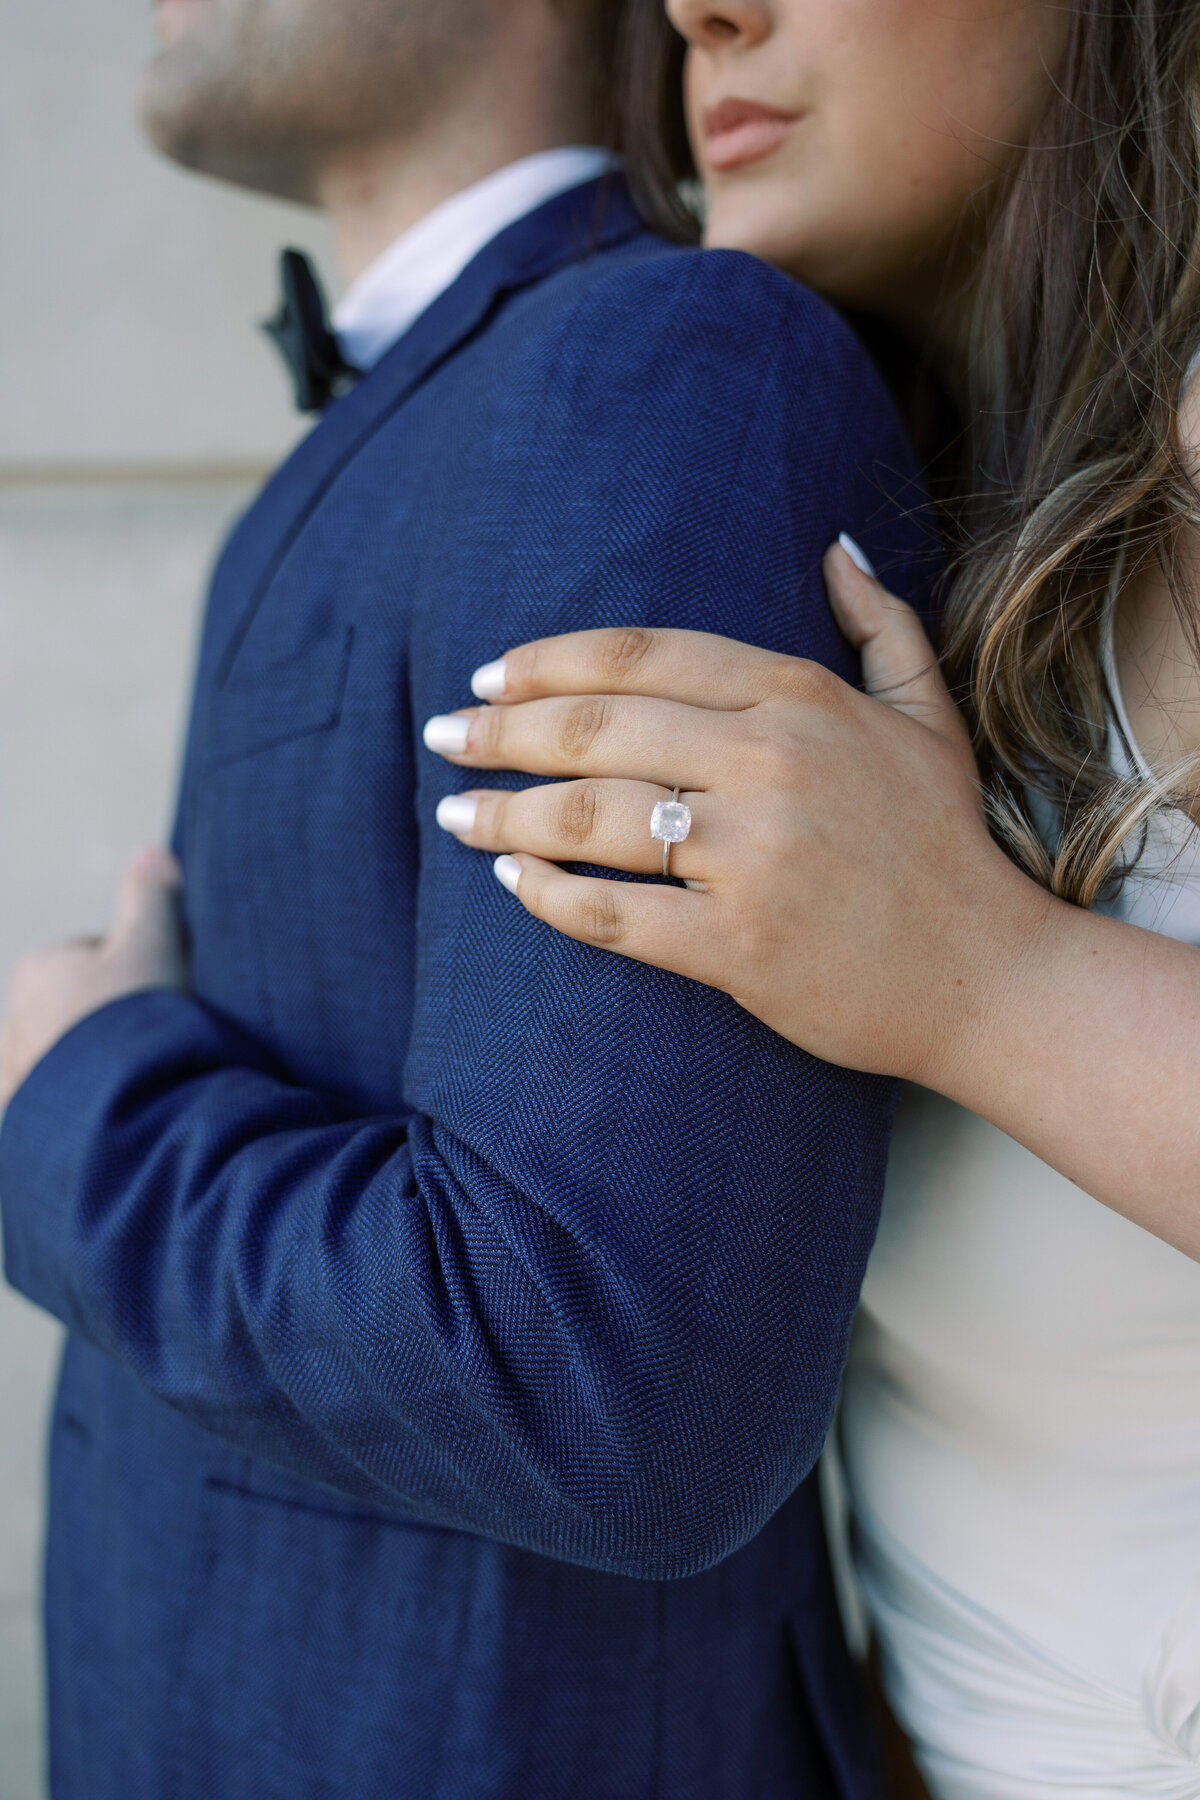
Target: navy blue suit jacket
<point x="456" y="1311"/>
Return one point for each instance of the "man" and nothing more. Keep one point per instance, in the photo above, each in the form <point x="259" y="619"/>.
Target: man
<point x="456" y="1314"/>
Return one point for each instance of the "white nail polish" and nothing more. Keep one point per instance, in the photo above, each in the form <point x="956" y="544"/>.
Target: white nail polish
<point x="487" y="683"/>
<point x="857" y="555"/>
<point x="447" y="734"/>
<point x="456" y="813"/>
<point x="507" y="871"/>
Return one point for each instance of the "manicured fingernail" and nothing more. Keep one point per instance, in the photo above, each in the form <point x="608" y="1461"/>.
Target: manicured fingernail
<point x="507" y="871"/>
<point x="487" y="683"/>
<point x="447" y="734"/>
<point x="856" y="553"/>
<point x="456" y="813"/>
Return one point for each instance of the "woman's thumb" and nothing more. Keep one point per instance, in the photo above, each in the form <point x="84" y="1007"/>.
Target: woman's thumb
<point x="900" y="665"/>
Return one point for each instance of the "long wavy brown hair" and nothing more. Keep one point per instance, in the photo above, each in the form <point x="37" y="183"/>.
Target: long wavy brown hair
<point x="1087" y="313"/>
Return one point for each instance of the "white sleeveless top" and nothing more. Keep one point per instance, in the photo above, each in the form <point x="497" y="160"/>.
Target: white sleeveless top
<point x="1020" y="1435"/>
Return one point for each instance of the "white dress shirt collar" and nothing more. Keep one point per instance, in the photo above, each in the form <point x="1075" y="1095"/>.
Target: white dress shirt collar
<point x="394" y="290"/>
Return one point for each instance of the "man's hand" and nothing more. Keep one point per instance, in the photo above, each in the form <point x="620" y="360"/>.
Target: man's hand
<point x="54" y="988"/>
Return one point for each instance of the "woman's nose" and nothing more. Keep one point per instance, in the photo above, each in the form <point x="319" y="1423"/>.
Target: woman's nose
<point x="709" y="26"/>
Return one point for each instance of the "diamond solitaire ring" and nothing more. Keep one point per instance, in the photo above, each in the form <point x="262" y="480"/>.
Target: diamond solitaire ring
<point x="670" y="821"/>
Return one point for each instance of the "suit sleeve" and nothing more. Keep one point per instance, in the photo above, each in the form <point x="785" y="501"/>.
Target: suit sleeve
<point x="590" y="1294"/>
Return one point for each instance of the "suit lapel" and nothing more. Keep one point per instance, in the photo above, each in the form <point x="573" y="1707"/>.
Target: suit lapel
<point x="565" y="230"/>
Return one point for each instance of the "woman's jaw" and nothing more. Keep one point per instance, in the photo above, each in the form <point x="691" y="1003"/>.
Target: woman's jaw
<point x="920" y="283"/>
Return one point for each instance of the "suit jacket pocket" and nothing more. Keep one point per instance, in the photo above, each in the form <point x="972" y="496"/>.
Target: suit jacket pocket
<point x="309" y="1667"/>
<point x="340" y="1653"/>
<point x="271" y="700"/>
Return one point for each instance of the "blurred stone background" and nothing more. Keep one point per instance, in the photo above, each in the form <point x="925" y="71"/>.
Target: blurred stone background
<point x="139" y="407"/>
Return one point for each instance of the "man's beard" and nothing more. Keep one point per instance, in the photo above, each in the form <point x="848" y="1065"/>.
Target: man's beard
<point x="264" y="92"/>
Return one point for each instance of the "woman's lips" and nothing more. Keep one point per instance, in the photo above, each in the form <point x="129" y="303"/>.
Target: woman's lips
<point x="743" y="131"/>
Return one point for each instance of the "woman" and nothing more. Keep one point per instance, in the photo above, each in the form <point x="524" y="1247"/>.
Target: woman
<point x="1014" y="192"/>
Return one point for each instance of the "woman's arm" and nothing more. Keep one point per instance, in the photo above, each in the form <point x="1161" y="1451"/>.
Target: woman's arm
<point x="843" y="884"/>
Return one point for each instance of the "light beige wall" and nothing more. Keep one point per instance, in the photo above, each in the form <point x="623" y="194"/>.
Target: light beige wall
<point x="127" y="289"/>
<point x="138" y="403"/>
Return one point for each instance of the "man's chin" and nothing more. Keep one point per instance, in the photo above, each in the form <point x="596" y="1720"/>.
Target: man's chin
<point x="191" y="135"/>
<point x="194" y="111"/>
<point x="273" y="173"/>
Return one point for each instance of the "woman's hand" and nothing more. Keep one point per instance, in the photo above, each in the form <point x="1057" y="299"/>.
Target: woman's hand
<point x="843" y="884"/>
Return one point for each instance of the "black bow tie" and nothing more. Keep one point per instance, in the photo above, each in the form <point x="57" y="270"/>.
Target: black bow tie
<point x="301" y="330"/>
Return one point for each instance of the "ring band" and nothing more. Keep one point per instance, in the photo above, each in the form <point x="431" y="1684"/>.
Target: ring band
<point x="670" y="822"/>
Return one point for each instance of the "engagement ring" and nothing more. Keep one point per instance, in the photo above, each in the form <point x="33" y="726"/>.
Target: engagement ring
<point x="670" y="821"/>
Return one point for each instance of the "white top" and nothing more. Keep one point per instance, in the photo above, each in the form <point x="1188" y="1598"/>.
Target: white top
<point x="394" y="290"/>
<point x="1021" y="1439"/>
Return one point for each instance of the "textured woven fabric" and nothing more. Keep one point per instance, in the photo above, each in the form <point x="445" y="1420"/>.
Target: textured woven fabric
<point x="457" y="1311"/>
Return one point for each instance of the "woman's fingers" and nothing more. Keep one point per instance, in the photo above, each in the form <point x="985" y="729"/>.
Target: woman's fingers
<point x="900" y="665"/>
<point x="673" y="928"/>
<point x="689" y="666"/>
<point x="597" y="734"/>
<point x="605" y="822"/>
